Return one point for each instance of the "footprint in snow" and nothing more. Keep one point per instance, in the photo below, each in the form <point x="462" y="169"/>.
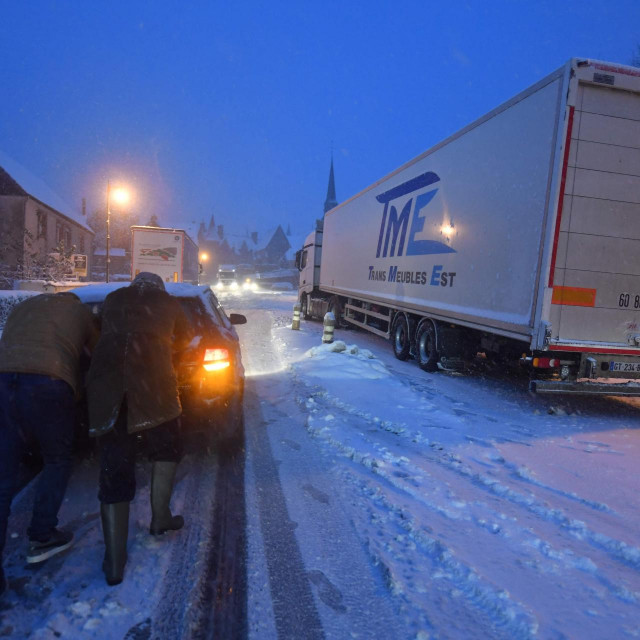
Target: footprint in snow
<point x="328" y="593"/>
<point x="292" y="444"/>
<point x="316" y="494"/>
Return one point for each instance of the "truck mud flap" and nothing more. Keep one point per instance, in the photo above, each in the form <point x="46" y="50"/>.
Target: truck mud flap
<point x="629" y="389"/>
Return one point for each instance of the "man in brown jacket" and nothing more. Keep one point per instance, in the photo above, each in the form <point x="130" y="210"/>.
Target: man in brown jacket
<point x="40" y="351"/>
<point x="132" y="388"/>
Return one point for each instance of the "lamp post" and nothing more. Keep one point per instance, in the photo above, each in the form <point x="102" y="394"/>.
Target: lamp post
<point x="121" y="196"/>
<point x="204" y="256"/>
<point x="108" y="259"/>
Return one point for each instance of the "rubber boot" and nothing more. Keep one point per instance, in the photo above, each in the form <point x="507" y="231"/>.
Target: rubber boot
<point x="115" y="526"/>
<point x="162" y="477"/>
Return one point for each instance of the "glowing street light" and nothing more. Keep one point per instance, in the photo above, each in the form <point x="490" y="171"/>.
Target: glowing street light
<point x="120" y="196"/>
<point x="204" y="256"/>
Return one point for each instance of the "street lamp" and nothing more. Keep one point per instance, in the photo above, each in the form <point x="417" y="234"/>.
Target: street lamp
<point x="204" y="256"/>
<point x="121" y="196"/>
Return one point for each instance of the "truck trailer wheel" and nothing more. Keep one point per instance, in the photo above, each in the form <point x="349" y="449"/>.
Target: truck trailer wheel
<point x="426" y="352"/>
<point x="335" y="307"/>
<point x="400" y="338"/>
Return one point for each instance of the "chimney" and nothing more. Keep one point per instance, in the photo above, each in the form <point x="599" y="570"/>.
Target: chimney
<point x="84" y="206"/>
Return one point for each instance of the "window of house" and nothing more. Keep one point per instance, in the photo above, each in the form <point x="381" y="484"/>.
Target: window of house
<point x="59" y="237"/>
<point x="81" y="244"/>
<point x="42" y="223"/>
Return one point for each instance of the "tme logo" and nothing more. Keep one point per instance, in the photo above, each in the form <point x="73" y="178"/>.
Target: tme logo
<point x="393" y="229"/>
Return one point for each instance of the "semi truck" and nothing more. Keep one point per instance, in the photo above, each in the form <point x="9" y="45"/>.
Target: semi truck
<point x="517" y="237"/>
<point x="170" y="253"/>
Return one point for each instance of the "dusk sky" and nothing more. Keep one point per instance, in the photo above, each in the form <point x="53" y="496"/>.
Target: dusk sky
<point x="232" y="108"/>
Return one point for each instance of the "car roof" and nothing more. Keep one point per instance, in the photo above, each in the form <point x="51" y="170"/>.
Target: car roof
<point x="92" y="293"/>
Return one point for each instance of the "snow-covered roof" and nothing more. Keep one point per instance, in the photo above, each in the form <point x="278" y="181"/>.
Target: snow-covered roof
<point x="37" y="189"/>
<point x="98" y="292"/>
<point x="192" y="229"/>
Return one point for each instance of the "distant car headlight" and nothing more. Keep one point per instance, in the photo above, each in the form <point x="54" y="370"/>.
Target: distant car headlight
<point x="249" y="285"/>
<point x="219" y="284"/>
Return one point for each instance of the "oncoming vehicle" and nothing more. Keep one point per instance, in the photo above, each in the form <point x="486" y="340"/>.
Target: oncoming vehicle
<point x="246" y="277"/>
<point x="227" y="277"/>
<point x="210" y="371"/>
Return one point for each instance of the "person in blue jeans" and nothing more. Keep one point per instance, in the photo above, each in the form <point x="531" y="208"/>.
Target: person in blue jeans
<point x="40" y="381"/>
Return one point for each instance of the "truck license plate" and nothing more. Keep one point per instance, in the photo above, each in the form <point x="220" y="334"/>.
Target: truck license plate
<point x="627" y="367"/>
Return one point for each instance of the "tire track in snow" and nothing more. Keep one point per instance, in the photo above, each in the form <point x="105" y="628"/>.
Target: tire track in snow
<point x="620" y="551"/>
<point x="614" y="548"/>
<point x="509" y="617"/>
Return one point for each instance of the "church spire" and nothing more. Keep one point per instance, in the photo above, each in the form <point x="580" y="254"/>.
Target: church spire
<point x="331" y="201"/>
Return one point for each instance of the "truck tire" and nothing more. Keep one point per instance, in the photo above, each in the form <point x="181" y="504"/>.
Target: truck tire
<point x="335" y="307"/>
<point x="400" y="337"/>
<point x="304" y="307"/>
<point x="426" y="351"/>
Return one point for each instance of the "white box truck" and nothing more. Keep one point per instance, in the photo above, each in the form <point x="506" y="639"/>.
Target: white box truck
<point x="519" y="235"/>
<point x="170" y="253"/>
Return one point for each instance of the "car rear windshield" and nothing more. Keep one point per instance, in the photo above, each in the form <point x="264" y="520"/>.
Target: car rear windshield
<point x="199" y="319"/>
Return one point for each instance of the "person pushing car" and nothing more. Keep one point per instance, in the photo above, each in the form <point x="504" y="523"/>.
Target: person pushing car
<point x="132" y="389"/>
<point x="40" y="381"/>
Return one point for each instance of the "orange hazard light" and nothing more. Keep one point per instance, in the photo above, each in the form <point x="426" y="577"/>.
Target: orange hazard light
<point x="574" y="296"/>
<point x="216" y="359"/>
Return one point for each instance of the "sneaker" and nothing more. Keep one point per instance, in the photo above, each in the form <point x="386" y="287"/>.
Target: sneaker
<point x="58" y="541"/>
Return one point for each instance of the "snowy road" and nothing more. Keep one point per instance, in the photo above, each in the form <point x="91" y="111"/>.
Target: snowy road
<point x="374" y="501"/>
<point x="431" y="505"/>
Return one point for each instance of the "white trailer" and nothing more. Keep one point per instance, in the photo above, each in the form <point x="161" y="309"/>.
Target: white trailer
<point x="518" y="235"/>
<point x="170" y="253"/>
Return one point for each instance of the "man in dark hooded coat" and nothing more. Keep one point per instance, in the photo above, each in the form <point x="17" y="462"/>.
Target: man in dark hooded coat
<point x="132" y="388"/>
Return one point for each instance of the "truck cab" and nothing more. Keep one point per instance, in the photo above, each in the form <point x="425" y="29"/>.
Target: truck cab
<point x="308" y="263"/>
<point x="227" y="277"/>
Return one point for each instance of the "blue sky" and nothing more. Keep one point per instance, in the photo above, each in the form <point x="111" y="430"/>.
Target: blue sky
<point x="231" y="108"/>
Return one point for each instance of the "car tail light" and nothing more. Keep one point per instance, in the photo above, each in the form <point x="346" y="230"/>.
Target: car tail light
<point x="546" y="363"/>
<point x="216" y="359"/>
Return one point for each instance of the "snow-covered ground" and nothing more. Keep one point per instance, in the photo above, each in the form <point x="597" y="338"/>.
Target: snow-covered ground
<point x="486" y="511"/>
<point x="381" y="502"/>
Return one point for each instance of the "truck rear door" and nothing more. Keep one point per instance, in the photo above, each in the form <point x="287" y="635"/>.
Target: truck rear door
<point x="596" y="272"/>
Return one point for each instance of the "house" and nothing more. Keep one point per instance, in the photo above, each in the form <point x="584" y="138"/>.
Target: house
<point x="271" y="247"/>
<point x="34" y="224"/>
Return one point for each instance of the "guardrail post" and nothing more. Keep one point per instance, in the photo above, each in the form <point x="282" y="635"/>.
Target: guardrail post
<point x="296" y="316"/>
<point x="329" y="325"/>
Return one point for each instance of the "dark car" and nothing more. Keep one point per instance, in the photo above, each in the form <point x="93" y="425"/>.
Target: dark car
<point x="210" y="372"/>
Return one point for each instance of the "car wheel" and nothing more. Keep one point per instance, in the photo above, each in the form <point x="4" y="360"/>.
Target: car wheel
<point x="400" y="338"/>
<point x="230" y="427"/>
<point x="427" y="353"/>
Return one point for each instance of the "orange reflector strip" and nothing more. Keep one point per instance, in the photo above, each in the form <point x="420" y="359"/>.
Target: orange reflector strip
<point x="574" y="296"/>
